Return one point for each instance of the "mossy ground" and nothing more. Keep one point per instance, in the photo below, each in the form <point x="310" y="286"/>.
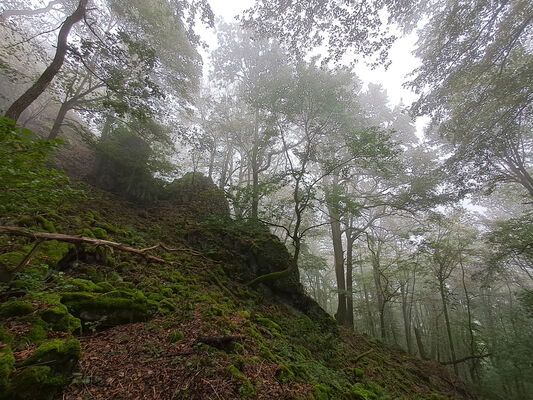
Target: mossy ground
<point x="141" y="324"/>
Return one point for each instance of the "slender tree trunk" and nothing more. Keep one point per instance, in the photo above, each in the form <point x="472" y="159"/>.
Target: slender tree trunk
<point x="51" y="71"/>
<point x="420" y="343"/>
<point x="448" y="326"/>
<point x="349" y="279"/>
<point x="372" y="325"/>
<point x="406" y="318"/>
<point x="336" y="237"/>
<point x="65" y="107"/>
<point x="254" y="163"/>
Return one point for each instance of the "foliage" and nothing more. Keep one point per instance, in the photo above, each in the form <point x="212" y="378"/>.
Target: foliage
<point x="27" y="184"/>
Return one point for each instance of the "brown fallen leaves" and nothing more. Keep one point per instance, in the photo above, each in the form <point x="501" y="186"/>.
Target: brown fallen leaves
<point x="137" y="361"/>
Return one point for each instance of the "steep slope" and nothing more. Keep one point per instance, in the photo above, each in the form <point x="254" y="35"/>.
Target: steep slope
<point x="95" y="323"/>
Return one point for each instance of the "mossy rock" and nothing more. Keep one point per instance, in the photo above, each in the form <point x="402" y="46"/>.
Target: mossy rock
<point x="86" y="285"/>
<point x="11" y="259"/>
<point x="61" y="320"/>
<point x="7" y="362"/>
<point x="200" y="193"/>
<point x="112" y="308"/>
<point x="15" y="308"/>
<point x="52" y="252"/>
<point x="35" y="383"/>
<point x="62" y="356"/>
<point x="99" y="233"/>
<point x="38" y="331"/>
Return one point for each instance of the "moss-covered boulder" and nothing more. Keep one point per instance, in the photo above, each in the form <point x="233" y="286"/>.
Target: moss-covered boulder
<point x="7" y="362"/>
<point x="108" y="309"/>
<point x="43" y="375"/>
<point x="61" y="320"/>
<point x="35" y="383"/>
<point x="61" y="356"/>
<point x="15" y="308"/>
<point x="199" y="192"/>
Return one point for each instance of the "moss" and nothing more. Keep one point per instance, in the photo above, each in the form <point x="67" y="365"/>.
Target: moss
<point x="269" y="324"/>
<point x="244" y="314"/>
<point x="87" y="233"/>
<point x="322" y="392"/>
<point x="367" y="391"/>
<point x="214" y="310"/>
<point x="52" y="252"/>
<point x="100" y="233"/>
<point x="112" y="308"/>
<point x="11" y="259"/>
<point x="36" y="383"/>
<point x="7" y="362"/>
<point x="165" y="306"/>
<point x="108" y="227"/>
<point x="175" y="337"/>
<point x="285" y="374"/>
<point x="246" y="390"/>
<point x="85" y="285"/>
<point x="15" y="308"/>
<point x="61" y="356"/>
<point x="61" y="320"/>
<point x="38" y="331"/>
<point x="5" y="336"/>
<point x="106" y="287"/>
<point x="355" y="373"/>
<point x="46" y="224"/>
<point x="26" y="220"/>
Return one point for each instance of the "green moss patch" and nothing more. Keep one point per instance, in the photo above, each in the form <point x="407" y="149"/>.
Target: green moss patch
<point x="15" y="308"/>
<point x="112" y="308"/>
<point x="7" y="362"/>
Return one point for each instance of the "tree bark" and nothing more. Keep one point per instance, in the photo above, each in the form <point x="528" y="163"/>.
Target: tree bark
<point x="336" y="237"/>
<point x="25" y="100"/>
<point x="349" y="279"/>
<point x="448" y="326"/>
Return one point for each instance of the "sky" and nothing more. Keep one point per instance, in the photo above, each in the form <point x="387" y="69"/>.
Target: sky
<point x="403" y="61"/>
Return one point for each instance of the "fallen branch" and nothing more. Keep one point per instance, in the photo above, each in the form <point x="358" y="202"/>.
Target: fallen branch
<point x="465" y="359"/>
<point x="77" y="239"/>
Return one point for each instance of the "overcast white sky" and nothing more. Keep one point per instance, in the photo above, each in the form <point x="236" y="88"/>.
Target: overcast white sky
<point x="401" y="56"/>
<point x="402" y="60"/>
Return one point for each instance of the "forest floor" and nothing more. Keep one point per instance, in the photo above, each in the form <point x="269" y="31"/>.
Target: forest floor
<point x="189" y="328"/>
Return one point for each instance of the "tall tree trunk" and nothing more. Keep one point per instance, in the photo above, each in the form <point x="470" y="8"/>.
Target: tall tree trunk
<point x="349" y="278"/>
<point x="51" y="71"/>
<point x="420" y="343"/>
<point x="448" y="326"/>
<point x="65" y="107"/>
<point x="369" y="313"/>
<point x="336" y="237"/>
<point x="406" y="317"/>
<point x="254" y="163"/>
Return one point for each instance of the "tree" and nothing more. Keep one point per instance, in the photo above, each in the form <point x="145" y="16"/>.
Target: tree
<point x="51" y="71"/>
<point x="474" y="80"/>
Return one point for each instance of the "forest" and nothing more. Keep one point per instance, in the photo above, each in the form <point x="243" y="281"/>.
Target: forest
<point x="165" y="166"/>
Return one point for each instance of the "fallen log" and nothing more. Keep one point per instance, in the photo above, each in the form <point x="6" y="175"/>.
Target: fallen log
<point x="78" y="239"/>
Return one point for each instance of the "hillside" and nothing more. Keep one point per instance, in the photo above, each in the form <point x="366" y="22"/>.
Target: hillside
<point x="92" y="322"/>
